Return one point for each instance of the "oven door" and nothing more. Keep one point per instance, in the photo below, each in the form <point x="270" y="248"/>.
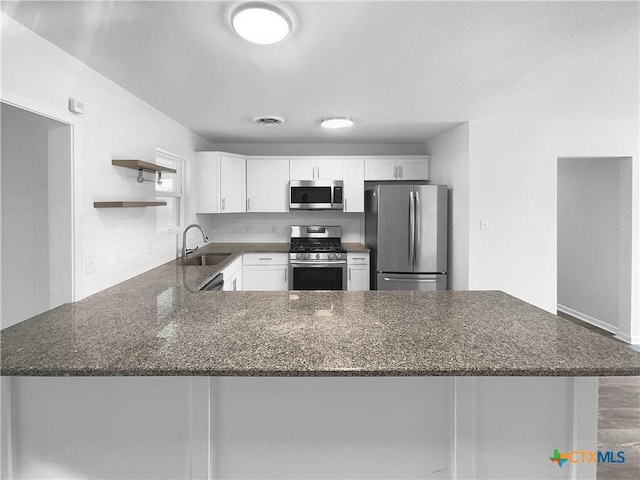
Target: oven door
<point x="327" y="275"/>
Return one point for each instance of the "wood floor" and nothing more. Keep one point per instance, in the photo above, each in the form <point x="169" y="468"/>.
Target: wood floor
<point x="619" y="426"/>
<point x="618" y="418"/>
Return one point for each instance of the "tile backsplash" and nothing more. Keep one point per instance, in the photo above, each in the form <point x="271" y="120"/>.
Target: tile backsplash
<point x="274" y="227"/>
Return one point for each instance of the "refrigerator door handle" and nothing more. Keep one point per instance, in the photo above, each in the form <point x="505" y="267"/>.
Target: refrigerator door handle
<point x="409" y="280"/>
<point x="417" y="229"/>
<point x="412" y="228"/>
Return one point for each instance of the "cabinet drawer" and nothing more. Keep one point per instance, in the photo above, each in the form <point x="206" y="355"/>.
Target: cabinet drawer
<point x="265" y="259"/>
<point x="357" y="258"/>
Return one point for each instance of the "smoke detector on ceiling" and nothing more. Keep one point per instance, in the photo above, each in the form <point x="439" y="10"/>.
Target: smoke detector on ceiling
<point x="268" y="120"/>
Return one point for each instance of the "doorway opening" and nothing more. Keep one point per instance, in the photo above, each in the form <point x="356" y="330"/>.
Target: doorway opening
<point x="36" y="214"/>
<point x="594" y="240"/>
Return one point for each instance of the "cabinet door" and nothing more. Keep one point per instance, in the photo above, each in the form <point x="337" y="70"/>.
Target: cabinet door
<point x="357" y="278"/>
<point x="380" y="169"/>
<point x="413" y="168"/>
<point x="353" y="170"/>
<point x="233" y="283"/>
<point x="267" y="183"/>
<point x="265" y="277"/>
<point x="233" y="184"/>
<point x="329" y="169"/>
<point x="302" y="169"/>
<point x="207" y="182"/>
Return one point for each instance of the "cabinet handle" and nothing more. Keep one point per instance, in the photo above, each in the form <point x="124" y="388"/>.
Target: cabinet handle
<point x="400" y="171"/>
<point x="395" y="172"/>
<point x="285" y="274"/>
<point x="318" y="172"/>
<point x="349" y="273"/>
<point x="248" y="207"/>
<point x="345" y="204"/>
<point x="265" y="258"/>
<point x="358" y="258"/>
<point x="223" y="204"/>
<point x="234" y="284"/>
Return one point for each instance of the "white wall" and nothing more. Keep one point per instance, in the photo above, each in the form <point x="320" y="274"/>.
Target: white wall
<point x="36" y="233"/>
<point x="450" y="166"/>
<point x="588" y="238"/>
<point x="116" y="125"/>
<point x="513" y="185"/>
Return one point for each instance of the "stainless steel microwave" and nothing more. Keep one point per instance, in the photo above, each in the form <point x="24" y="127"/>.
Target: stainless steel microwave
<point x="315" y="194"/>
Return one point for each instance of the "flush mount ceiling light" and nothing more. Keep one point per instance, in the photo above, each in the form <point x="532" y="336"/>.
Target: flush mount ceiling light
<point x="336" y="122"/>
<point x="261" y="23"/>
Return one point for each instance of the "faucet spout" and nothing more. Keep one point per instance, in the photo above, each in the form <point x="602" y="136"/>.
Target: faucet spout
<point x="185" y="250"/>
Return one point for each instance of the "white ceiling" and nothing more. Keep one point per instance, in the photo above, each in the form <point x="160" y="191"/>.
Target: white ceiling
<point x="404" y="71"/>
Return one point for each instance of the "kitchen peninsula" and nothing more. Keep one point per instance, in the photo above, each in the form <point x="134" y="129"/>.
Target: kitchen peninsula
<point x="214" y="419"/>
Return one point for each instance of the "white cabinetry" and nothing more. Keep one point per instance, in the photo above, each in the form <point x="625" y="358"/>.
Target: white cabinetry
<point x="220" y="182"/>
<point x="207" y="182"/>
<point x="353" y="170"/>
<point x="232" y="276"/>
<point x="233" y="184"/>
<point x="415" y="167"/>
<point x="265" y="271"/>
<point x="357" y="271"/>
<point x="315" y="168"/>
<point x="267" y="181"/>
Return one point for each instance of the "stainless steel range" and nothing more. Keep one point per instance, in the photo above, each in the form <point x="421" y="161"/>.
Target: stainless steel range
<point x="317" y="260"/>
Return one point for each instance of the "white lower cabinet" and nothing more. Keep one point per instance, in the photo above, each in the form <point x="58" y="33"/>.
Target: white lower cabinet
<point x="265" y="271"/>
<point x="357" y="272"/>
<point x="232" y="276"/>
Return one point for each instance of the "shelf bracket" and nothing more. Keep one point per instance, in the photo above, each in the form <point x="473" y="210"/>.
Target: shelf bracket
<point x="141" y="179"/>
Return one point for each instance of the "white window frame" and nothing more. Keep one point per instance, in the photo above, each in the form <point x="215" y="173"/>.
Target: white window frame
<point x="179" y="164"/>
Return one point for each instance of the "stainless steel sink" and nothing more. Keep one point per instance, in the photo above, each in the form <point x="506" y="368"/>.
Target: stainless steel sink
<point x="206" y="259"/>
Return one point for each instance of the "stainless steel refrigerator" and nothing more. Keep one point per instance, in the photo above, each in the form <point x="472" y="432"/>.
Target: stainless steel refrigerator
<point x="406" y="230"/>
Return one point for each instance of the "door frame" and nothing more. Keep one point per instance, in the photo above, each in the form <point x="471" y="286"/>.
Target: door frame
<point x="75" y="124"/>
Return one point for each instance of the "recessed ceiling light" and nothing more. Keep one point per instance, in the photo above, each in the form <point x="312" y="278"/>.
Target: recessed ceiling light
<point x="336" y="122"/>
<point x="261" y="23"/>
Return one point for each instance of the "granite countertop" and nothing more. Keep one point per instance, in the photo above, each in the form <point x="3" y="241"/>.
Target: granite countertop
<point x="156" y="324"/>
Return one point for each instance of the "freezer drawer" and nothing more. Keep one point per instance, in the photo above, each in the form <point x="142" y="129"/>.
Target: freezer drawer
<point x="411" y="281"/>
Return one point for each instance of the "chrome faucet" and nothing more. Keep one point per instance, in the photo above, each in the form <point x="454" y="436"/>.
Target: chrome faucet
<point x="186" y="251"/>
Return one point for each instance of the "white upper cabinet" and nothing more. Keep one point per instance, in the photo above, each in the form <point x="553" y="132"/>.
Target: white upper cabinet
<point x="207" y="182"/>
<point x="329" y="169"/>
<point x="315" y="168"/>
<point x="353" y="169"/>
<point x="302" y="169"/>
<point x="414" y="167"/>
<point x="267" y="184"/>
<point x="233" y="184"/>
<point x="220" y="182"/>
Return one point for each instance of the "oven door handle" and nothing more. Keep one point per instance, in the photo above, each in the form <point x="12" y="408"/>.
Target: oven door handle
<point x="319" y="262"/>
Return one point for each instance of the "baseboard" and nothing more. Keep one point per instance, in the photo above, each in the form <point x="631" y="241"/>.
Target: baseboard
<point x="628" y="339"/>
<point x="589" y="319"/>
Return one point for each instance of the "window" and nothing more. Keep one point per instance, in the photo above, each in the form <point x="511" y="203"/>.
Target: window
<point x="171" y="190"/>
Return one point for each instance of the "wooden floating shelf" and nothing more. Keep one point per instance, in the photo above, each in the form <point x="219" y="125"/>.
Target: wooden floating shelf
<point x="127" y="204"/>
<point x="140" y="165"/>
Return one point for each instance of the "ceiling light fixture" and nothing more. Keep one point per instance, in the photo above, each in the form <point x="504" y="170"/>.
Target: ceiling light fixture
<point x="261" y="23"/>
<point x="336" y="122"/>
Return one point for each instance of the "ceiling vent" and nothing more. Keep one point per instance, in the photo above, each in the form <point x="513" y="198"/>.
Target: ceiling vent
<point x="268" y="120"/>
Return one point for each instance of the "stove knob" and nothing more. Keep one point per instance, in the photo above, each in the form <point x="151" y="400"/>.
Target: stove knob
<point x="317" y="255"/>
<point x="298" y="255"/>
<point x="332" y="255"/>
